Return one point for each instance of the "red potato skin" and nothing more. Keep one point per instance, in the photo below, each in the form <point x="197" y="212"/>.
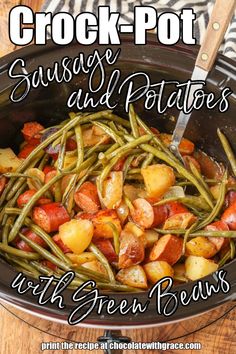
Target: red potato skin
<point x="131" y="251"/>
<point x="87" y="198"/>
<point x="50" y="216"/>
<point x="160" y="215"/>
<point x="168" y="248"/>
<point x="230" y="198"/>
<point x="31" y="131"/>
<point x="106" y="247"/>
<point x="229" y="216"/>
<point x="99" y="220"/>
<point x="219" y="242"/>
<point x="60" y="244"/>
<point x="3" y="182"/>
<point x="22" y="245"/>
<point x="26" y="151"/>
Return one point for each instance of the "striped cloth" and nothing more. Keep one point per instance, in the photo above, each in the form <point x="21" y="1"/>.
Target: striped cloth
<point x="202" y="8"/>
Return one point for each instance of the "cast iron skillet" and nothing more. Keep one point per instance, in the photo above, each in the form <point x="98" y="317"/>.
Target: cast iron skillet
<point x="48" y="105"/>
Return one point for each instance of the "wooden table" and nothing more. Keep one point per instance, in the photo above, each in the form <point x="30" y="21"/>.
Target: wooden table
<point x="17" y="336"/>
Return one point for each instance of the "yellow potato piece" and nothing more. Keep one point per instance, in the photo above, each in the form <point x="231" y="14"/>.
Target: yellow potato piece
<point x="157" y="270"/>
<point x="113" y="190"/>
<point x="96" y="266"/>
<point x="76" y="234"/>
<point x="133" y="276"/>
<point x="158" y="179"/>
<point x="81" y="258"/>
<point x="9" y="162"/>
<point x="199" y="267"/>
<point x="179" y="221"/>
<point x="201" y="247"/>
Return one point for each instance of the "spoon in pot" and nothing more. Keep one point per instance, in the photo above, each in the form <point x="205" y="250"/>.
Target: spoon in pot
<point x="220" y="18"/>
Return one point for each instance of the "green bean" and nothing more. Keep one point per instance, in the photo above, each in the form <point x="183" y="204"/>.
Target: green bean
<point x="41" y="268"/>
<point x="224" y="259"/>
<point x="100" y="256"/>
<point x="206" y="233"/>
<point x="38" y="194"/>
<point x="116" y="239"/>
<point x="148" y="160"/>
<point x="110" y="132"/>
<point x="175" y="164"/>
<point x="156" y="140"/>
<point x="61" y="156"/>
<point x="186" y="236"/>
<point x="122" y="152"/>
<point x="218" y="206"/>
<point x="6" y="229"/>
<point x="232" y="249"/>
<point x="117" y="119"/>
<point x="43" y="162"/>
<point x="228" y="150"/>
<point x="196" y="202"/>
<point x="48" y="239"/>
<point x="92" y="274"/>
<point x="199" y="177"/>
<point x="133" y="121"/>
<point x="174" y="232"/>
<point x="80" y="145"/>
<point x="127" y="164"/>
<point x="25" y="266"/>
<point x="11" y="203"/>
<point x="19" y="253"/>
<point x="44" y="253"/>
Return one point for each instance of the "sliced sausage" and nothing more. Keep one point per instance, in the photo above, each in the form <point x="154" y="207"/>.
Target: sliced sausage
<point x="143" y="213"/>
<point x="31" y="132"/>
<point x="219" y="242"/>
<point x="229" y="216"/>
<point x="25" y="151"/>
<point x="106" y="247"/>
<point x="50" y="216"/>
<point x="22" y="245"/>
<point x="168" y="248"/>
<point x="87" y="198"/>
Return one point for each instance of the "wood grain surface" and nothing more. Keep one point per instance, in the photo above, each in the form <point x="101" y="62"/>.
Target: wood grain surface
<point x="23" y="334"/>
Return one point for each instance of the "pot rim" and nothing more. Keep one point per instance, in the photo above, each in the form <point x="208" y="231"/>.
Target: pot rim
<point x="29" y="303"/>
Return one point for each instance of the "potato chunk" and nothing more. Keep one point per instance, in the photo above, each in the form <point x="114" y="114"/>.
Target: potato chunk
<point x="131" y="250"/>
<point x="113" y="190"/>
<point x="9" y="162"/>
<point x="201" y="247"/>
<point x="157" y="270"/>
<point x="179" y="221"/>
<point x="133" y="276"/>
<point x="199" y="267"/>
<point x="76" y="234"/>
<point x="158" y="179"/>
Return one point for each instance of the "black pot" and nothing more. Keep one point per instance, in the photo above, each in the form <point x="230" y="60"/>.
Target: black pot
<point x="49" y="105"/>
